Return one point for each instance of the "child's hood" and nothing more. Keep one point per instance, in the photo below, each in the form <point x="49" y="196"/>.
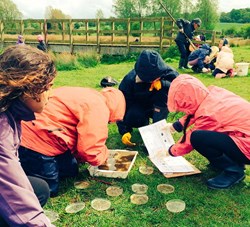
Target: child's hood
<point x="116" y="103"/>
<point x="226" y="49"/>
<point x="186" y="93"/>
<point x="150" y="65"/>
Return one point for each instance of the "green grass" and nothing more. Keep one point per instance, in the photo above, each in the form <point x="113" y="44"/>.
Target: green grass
<point x="204" y="207"/>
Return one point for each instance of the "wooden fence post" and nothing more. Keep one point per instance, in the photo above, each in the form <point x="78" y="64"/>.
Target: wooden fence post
<point x="113" y="34"/>
<point x="21" y="27"/>
<point x="161" y="33"/>
<point x="141" y="28"/>
<point x="70" y="36"/>
<point x="128" y="33"/>
<point x="2" y="31"/>
<point x="45" y="31"/>
<point x="213" y="38"/>
<point x="98" y="35"/>
<point x="63" y="28"/>
<point x="86" y="29"/>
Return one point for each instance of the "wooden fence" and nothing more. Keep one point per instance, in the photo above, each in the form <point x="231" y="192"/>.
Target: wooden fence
<point x="106" y="36"/>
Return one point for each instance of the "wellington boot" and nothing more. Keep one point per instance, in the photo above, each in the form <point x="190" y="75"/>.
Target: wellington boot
<point x="232" y="172"/>
<point x="226" y="179"/>
<point x="181" y="63"/>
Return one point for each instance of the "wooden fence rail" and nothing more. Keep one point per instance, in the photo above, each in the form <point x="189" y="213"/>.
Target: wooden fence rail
<point x="109" y="36"/>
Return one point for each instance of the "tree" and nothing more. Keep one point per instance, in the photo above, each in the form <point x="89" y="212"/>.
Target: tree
<point x="9" y="11"/>
<point x="187" y="8"/>
<point x="173" y="7"/>
<point x="207" y="11"/>
<point x="236" y="16"/>
<point x="132" y="8"/>
<point x="99" y="14"/>
<point x="51" y="13"/>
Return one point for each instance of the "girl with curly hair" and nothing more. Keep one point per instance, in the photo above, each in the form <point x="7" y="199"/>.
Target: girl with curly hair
<point x="26" y="76"/>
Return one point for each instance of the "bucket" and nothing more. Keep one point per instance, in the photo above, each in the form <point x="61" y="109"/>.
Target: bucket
<point x="242" y="68"/>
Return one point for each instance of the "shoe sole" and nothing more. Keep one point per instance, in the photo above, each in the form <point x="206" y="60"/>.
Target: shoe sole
<point x="236" y="182"/>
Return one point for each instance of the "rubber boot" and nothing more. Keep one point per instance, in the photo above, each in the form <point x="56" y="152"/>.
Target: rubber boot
<point x="232" y="173"/>
<point x="160" y="113"/>
<point x="185" y="63"/>
<point x="181" y="63"/>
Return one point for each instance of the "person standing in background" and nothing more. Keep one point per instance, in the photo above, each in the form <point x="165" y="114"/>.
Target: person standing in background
<point x="20" y="40"/>
<point x="41" y="45"/>
<point x="186" y="29"/>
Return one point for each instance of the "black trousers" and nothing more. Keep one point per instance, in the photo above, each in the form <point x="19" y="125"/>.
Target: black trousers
<point x="183" y="48"/>
<point x="212" y="144"/>
<point x="144" y="108"/>
<point x="41" y="190"/>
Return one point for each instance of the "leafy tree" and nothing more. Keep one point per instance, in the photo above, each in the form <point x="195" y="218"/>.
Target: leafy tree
<point x="207" y="11"/>
<point x="51" y="13"/>
<point x="132" y="8"/>
<point x="236" y="15"/>
<point x="225" y="17"/>
<point x="99" y="14"/>
<point x="187" y="8"/>
<point x="173" y="7"/>
<point x="77" y="25"/>
<point x="9" y="11"/>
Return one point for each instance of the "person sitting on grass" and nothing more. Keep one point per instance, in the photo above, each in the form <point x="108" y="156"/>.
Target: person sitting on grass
<point x="26" y="77"/>
<point x="72" y="129"/>
<point x="224" y="63"/>
<point x="223" y="42"/>
<point x="216" y="125"/>
<point x="145" y="89"/>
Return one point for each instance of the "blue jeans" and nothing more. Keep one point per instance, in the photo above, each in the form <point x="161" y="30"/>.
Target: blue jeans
<point x="48" y="168"/>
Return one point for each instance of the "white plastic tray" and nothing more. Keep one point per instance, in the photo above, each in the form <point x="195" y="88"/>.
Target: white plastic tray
<point x="95" y="171"/>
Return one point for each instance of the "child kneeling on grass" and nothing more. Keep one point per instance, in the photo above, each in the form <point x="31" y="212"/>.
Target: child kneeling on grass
<point x="224" y="63"/>
<point x="72" y="128"/>
<point x="201" y="59"/>
<point x="220" y="127"/>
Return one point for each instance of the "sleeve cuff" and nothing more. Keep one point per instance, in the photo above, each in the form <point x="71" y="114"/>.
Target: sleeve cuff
<point x="178" y="126"/>
<point x="169" y="151"/>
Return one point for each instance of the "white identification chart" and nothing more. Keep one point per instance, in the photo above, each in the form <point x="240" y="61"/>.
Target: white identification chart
<point x="157" y="139"/>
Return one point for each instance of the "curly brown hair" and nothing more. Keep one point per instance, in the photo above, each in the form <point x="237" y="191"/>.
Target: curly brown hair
<point x="24" y="70"/>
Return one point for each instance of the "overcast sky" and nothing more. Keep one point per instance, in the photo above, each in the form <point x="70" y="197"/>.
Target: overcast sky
<point x="83" y="9"/>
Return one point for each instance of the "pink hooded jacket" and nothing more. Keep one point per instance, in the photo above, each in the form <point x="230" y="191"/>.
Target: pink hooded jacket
<point x="75" y="119"/>
<point x="214" y="109"/>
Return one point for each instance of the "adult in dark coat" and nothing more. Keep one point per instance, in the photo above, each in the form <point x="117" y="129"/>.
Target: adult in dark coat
<point x="181" y="40"/>
<point x="145" y="89"/>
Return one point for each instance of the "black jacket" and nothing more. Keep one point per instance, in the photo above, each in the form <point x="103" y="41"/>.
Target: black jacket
<point x="42" y="46"/>
<point x="188" y="28"/>
<point x="149" y="66"/>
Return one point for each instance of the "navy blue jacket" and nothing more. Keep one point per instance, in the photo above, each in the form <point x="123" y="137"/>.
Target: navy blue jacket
<point x="200" y="54"/>
<point x="149" y="66"/>
<point x="188" y="28"/>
